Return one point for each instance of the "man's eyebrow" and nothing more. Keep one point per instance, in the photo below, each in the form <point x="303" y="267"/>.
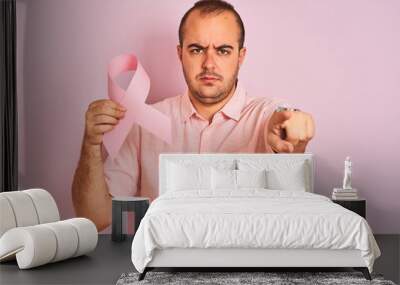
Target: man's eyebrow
<point x="195" y="45"/>
<point x="224" y="46"/>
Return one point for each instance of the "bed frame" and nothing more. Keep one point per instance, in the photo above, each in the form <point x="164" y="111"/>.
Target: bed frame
<point x="249" y="258"/>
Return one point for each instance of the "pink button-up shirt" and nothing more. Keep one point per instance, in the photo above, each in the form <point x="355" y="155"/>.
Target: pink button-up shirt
<point x="237" y="128"/>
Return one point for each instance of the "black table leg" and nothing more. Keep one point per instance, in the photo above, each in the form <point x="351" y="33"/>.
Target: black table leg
<point x="117" y="234"/>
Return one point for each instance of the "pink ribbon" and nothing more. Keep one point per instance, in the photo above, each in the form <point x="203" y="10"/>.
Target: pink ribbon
<point x="133" y="99"/>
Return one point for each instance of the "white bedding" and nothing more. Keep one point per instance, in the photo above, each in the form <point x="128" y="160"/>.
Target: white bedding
<point x="250" y="218"/>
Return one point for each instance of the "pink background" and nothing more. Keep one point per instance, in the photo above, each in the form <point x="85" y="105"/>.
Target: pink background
<point x="338" y="60"/>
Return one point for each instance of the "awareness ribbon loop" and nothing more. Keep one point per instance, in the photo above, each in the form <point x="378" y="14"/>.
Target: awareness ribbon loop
<point x="133" y="99"/>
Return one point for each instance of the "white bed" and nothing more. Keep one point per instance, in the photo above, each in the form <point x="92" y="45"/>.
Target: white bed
<point x="198" y="223"/>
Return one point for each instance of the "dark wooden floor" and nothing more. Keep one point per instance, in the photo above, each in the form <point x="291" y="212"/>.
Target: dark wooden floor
<point x="110" y="260"/>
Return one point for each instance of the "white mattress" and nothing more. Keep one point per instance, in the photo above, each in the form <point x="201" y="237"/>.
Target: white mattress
<point x="250" y="218"/>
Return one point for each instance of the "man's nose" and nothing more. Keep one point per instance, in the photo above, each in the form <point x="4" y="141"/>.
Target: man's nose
<point x="209" y="60"/>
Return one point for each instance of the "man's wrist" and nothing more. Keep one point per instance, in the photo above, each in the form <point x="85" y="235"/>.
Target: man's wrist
<point x="92" y="151"/>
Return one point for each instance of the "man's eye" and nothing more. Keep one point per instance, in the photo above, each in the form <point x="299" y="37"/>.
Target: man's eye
<point x="196" y="51"/>
<point x="224" y="51"/>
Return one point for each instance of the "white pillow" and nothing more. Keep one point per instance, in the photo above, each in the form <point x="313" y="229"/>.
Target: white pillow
<point x="195" y="161"/>
<point x="185" y="177"/>
<point x="223" y="179"/>
<point x="251" y="178"/>
<point x="287" y="179"/>
<point x="282" y="174"/>
<point x="236" y="179"/>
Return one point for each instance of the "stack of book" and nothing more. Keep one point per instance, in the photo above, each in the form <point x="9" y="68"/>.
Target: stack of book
<point x="344" y="194"/>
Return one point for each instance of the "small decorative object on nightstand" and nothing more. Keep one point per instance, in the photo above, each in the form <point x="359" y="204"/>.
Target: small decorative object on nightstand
<point x="358" y="206"/>
<point x="347" y="192"/>
<point x="138" y="205"/>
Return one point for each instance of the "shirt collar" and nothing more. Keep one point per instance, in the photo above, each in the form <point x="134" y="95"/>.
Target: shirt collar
<point x="232" y="108"/>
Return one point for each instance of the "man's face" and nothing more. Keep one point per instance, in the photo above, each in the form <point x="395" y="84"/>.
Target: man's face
<point x="210" y="55"/>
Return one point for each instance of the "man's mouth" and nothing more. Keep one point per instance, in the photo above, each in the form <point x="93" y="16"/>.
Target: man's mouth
<point x="208" y="79"/>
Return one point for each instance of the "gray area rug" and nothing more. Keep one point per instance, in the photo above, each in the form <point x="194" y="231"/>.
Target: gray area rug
<point x="273" y="278"/>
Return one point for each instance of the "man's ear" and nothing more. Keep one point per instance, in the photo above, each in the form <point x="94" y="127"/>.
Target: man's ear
<point x="179" y="52"/>
<point x="242" y="55"/>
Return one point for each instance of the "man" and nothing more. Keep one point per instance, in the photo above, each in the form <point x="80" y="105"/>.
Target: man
<point x="214" y="115"/>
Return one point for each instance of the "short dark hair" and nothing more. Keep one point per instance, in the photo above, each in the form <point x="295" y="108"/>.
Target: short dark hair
<point x="209" y="7"/>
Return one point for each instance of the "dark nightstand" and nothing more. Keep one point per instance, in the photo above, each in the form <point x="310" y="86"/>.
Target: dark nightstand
<point x="358" y="206"/>
<point x="138" y="205"/>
